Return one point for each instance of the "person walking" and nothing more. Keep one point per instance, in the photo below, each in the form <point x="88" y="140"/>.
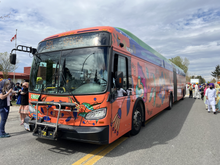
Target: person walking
<point x="187" y="89"/>
<point x="207" y="87"/>
<point x="24" y="108"/>
<point x="196" y="94"/>
<point x="202" y="91"/>
<point x="4" y="106"/>
<point x="211" y="98"/>
<point x="217" y="106"/>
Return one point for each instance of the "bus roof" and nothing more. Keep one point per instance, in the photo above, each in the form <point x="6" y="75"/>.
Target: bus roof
<point x="78" y="31"/>
<point x="132" y="37"/>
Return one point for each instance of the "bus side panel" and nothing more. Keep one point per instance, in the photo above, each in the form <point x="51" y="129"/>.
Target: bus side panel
<point x="151" y="83"/>
<point x="179" y="90"/>
<point x="120" y="119"/>
<point x="181" y="81"/>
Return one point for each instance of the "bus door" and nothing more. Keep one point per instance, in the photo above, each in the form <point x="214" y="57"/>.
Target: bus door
<point x="120" y="104"/>
<point x="175" y="84"/>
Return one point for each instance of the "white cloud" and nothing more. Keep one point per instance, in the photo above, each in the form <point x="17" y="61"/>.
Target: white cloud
<point x="188" y="29"/>
<point x="200" y="48"/>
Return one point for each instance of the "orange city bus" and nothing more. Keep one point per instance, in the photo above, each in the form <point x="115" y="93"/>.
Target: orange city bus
<point x="96" y="84"/>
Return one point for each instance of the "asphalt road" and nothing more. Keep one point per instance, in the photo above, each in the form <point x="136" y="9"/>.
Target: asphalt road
<point x="185" y="135"/>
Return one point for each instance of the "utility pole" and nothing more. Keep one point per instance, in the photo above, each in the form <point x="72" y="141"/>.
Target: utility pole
<point x="15" y="53"/>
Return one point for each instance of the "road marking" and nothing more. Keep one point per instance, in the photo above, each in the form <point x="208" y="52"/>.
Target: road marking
<point x="105" y="151"/>
<point x="80" y="161"/>
<point x="99" y="153"/>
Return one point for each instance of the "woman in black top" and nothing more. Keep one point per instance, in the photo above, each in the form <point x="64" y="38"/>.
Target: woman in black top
<point x="24" y="108"/>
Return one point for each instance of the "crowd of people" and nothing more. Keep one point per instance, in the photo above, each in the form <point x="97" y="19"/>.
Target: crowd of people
<point x="8" y="92"/>
<point x="209" y="93"/>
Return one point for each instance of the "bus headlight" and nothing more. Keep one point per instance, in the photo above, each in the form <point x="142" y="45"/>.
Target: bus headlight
<point x="32" y="109"/>
<point x="96" y="114"/>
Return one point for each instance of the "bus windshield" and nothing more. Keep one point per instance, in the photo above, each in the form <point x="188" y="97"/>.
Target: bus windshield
<point x="77" y="71"/>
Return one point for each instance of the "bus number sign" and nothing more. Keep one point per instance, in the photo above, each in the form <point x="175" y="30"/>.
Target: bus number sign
<point x="49" y="44"/>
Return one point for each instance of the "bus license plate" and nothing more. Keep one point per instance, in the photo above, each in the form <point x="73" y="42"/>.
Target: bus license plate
<point x="26" y="126"/>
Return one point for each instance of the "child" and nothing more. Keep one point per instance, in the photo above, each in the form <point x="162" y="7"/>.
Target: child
<point x="24" y="108"/>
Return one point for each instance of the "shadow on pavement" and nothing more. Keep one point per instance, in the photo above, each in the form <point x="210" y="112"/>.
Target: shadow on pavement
<point x="162" y="128"/>
<point x="18" y="133"/>
<point x="68" y="147"/>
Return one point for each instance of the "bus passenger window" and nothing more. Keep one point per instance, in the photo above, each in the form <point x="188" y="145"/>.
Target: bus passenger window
<point x="120" y="65"/>
<point x="122" y="68"/>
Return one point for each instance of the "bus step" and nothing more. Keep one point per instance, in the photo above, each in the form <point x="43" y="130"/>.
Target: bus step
<point x="46" y="124"/>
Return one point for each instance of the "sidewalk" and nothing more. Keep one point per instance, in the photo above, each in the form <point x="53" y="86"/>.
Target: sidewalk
<point x="13" y="114"/>
<point x="14" y="108"/>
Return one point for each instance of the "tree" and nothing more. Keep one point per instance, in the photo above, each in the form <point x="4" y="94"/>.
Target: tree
<point x="201" y="79"/>
<point x="180" y="62"/>
<point x="5" y="65"/>
<point x="212" y="81"/>
<point x="188" y="79"/>
<point x="216" y="73"/>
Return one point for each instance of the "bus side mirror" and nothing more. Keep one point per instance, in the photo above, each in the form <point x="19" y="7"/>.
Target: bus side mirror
<point x="119" y="79"/>
<point x="13" y="59"/>
<point x="33" y="50"/>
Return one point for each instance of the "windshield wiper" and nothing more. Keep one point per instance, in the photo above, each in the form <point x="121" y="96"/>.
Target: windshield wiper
<point x="64" y="80"/>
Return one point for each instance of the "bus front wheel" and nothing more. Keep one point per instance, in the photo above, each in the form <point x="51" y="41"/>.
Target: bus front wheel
<point x="136" y="120"/>
<point x="170" y="102"/>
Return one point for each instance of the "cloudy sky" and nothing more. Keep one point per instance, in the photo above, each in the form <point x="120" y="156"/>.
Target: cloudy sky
<point x="186" y="28"/>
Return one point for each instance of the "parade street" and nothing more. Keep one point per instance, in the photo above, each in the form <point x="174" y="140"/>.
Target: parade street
<point x="184" y="135"/>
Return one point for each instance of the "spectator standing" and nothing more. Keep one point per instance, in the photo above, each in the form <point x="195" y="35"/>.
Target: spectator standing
<point x="190" y="91"/>
<point x="196" y="94"/>
<point x="211" y="97"/>
<point x="207" y="87"/>
<point x="16" y="89"/>
<point x="12" y="85"/>
<point x="217" y="106"/>
<point x="187" y="88"/>
<point x="4" y="106"/>
<point x="202" y="91"/>
<point x="24" y="108"/>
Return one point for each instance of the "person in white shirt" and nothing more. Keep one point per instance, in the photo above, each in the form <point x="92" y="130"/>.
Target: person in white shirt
<point x="121" y="92"/>
<point x="196" y="95"/>
<point x="211" y="97"/>
<point x="187" y="89"/>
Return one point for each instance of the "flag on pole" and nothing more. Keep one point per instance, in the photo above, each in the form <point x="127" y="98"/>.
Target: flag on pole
<point x="13" y="38"/>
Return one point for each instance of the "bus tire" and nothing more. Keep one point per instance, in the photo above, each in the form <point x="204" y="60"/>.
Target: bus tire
<point x="136" y="120"/>
<point x="170" y="102"/>
<point x="183" y="95"/>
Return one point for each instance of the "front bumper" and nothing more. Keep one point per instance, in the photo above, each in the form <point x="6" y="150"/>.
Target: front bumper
<point x="96" y="135"/>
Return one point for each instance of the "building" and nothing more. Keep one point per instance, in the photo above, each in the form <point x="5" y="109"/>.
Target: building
<point x="19" y="77"/>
